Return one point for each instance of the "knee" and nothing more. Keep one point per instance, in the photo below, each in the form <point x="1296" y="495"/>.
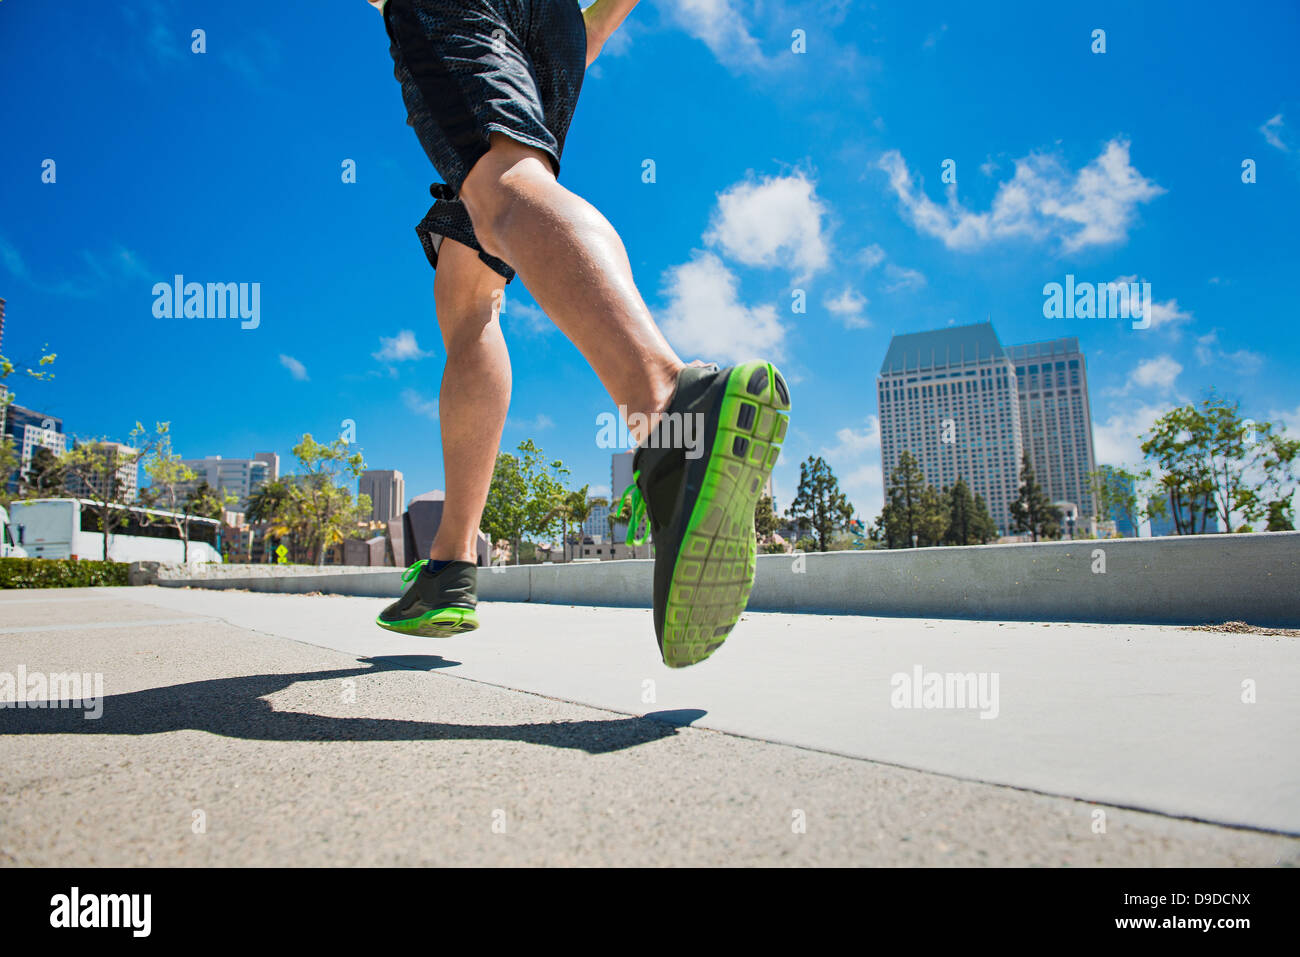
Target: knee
<point x="495" y="187"/>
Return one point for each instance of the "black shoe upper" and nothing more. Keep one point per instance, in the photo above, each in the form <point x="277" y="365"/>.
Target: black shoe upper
<point x="669" y="480"/>
<point x="455" y="585"/>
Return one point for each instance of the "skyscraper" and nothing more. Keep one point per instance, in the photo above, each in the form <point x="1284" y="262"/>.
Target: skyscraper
<point x="239" y="477"/>
<point x="1056" y="418"/>
<point x="949" y="397"/>
<point x="387" y="491"/>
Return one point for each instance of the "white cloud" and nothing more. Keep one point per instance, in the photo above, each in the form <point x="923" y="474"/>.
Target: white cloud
<point x="425" y="408"/>
<point x="1273" y="130"/>
<point x="539" y="423"/>
<point x="720" y="26"/>
<point x="775" y="221"/>
<point x="854" y="442"/>
<point x="1208" y="352"/>
<point x="296" y="368"/>
<point x="1288" y="418"/>
<point x="1166" y="313"/>
<point x="1043" y="200"/>
<point x="1159" y="372"/>
<point x="855" y="459"/>
<point x="1116" y="440"/>
<point x="399" y="348"/>
<point x="704" y="317"/>
<point x="850" y="307"/>
<point x="901" y="278"/>
<point x="534" y="320"/>
<point x="872" y="256"/>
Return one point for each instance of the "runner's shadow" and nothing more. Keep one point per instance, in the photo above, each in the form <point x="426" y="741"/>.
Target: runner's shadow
<point x="232" y="707"/>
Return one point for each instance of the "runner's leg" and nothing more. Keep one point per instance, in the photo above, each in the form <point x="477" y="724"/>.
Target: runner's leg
<point x="475" y="393"/>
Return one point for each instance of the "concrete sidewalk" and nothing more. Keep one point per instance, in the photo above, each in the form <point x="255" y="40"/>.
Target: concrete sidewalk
<point x="348" y="745"/>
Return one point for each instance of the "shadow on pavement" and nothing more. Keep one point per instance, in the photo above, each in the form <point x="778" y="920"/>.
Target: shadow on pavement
<point x="231" y="707"/>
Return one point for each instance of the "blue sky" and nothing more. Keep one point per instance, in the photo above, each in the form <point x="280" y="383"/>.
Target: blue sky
<point x="775" y="171"/>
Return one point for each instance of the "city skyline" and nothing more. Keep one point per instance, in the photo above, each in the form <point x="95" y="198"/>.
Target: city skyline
<point x="820" y="228"/>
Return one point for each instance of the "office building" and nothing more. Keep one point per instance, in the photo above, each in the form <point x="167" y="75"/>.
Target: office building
<point x="387" y="491"/>
<point x="1056" y="419"/>
<point x="238" y="477"/>
<point x="949" y="397"/>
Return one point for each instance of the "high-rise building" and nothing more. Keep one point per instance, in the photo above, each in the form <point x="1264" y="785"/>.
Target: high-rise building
<point x="1056" y="418"/>
<point x="620" y="477"/>
<point x="127" y="485"/>
<point x="387" y="491"/>
<point x="30" y="430"/>
<point x="597" y="524"/>
<point x="239" y="477"/>
<point x="949" y="397"/>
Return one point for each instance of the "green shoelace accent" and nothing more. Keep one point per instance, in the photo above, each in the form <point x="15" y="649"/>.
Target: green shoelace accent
<point x="414" y="570"/>
<point x="639" y="517"/>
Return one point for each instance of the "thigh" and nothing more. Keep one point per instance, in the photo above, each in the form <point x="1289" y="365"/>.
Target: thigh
<point x="466" y="71"/>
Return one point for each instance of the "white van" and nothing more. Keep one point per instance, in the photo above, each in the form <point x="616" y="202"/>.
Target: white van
<point x="69" y="528"/>
<point x="9" y="547"/>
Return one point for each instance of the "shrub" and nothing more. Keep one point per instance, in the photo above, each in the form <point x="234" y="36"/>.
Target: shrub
<point x="60" y="573"/>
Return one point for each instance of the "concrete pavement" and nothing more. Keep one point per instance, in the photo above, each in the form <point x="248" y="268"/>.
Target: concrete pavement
<point x="246" y="728"/>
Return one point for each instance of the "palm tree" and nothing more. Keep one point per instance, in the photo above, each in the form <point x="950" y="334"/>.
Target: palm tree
<point x="577" y="509"/>
<point x="271" y="505"/>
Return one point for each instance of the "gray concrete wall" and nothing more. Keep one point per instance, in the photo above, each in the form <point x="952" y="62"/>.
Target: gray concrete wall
<point x="1178" y="580"/>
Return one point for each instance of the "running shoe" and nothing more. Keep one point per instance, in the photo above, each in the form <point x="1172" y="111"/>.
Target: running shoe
<point x="695" y="482"/>
<point x="438" y="604"/>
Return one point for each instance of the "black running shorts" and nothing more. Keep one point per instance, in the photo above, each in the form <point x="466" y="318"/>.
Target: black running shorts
<point x="469" y="68"/>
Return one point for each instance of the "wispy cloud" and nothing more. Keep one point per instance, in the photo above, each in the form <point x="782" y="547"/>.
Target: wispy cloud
<point x="1274" y="129"/>
<point x="1209" y="352"/>
<point x="104" y="271"/>
<point x="419" y="405"/>
<point x="296" y="368"/>
<point x="1094" y="206"/>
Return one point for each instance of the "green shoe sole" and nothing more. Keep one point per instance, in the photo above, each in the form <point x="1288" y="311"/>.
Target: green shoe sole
<point x="439" y="623"/>
<point x="714" y="571"/>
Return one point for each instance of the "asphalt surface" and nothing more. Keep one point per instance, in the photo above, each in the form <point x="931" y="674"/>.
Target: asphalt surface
<point x="242" y="729"/>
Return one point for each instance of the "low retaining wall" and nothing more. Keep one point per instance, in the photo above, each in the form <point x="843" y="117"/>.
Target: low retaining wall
<point x="1178" y="580"/>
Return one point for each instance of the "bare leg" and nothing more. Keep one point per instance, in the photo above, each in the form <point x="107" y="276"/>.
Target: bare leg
<point x="575" y="266"/>
<point x="475" y="393"/>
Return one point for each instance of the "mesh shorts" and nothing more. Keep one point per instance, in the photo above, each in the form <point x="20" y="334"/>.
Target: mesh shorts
<point x="469" y="68"/>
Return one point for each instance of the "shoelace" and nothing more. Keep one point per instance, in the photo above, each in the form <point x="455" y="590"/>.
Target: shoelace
<point x="639" y="516"/>
<point x="414" y="570"/>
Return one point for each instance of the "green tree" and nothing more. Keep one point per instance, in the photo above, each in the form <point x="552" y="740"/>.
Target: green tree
<point x="932" y="518"/>
<point x="45" y="476"/>
<point x="900" y="519"/>
<point x="98" y="466"/>
<point x="273" y="505"/>
<point x="819" y="506"/>
<point x="1117" y="494"/>
<point x="168" y="478"/>
<point x="1033" y="511"/>
<point x="326" y="511"/>
<point x="962" y="519"/>
<point x="526" y="495"/>
<point x="576" y="510"/>
<point x="9" y="457"/>
<point x="1214" y="463"/>
<point x="985" y="529"/>
<point x="765" y="520"/>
